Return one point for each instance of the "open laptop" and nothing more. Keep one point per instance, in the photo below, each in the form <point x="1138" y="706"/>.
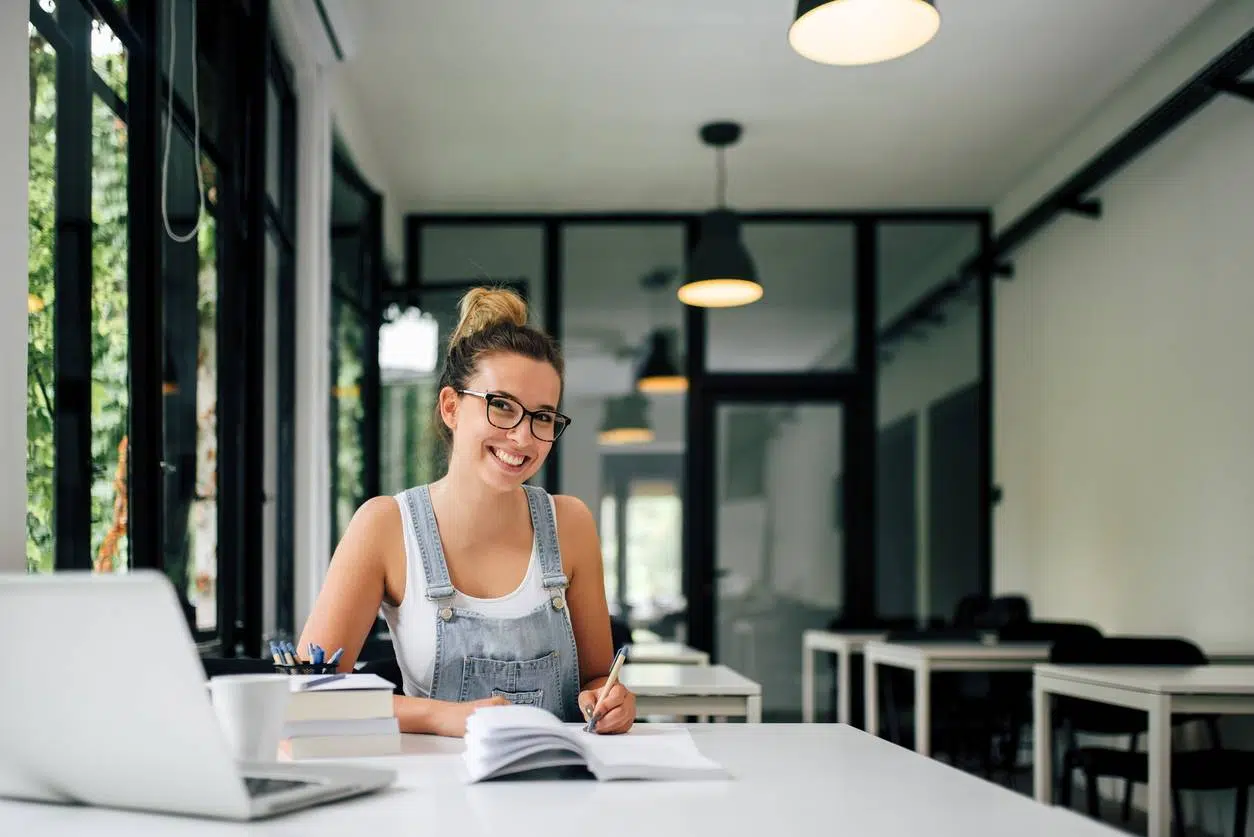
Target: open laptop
<point x="104" y="703"/>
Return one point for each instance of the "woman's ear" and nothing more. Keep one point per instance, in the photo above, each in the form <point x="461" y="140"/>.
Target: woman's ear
<point x="449" y="403"/>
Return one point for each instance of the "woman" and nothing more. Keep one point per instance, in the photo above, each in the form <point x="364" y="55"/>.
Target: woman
<point x="444" y="561"/>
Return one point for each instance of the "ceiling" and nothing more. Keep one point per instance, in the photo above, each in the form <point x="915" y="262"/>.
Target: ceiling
<point x="555" y="105"/>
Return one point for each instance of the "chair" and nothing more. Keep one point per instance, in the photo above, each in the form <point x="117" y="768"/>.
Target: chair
<point x="1003" y="611"/>
<point x="1216" y="768"/>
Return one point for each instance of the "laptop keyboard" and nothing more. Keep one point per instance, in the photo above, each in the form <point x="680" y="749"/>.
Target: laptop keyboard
<point x="261" y="786"/>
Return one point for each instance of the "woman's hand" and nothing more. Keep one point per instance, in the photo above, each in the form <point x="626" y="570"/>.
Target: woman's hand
<point x="617" y="711"/>
<point x="450" y="718"/>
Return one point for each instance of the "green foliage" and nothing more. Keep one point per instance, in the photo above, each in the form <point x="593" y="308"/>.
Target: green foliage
<point x="40" y="540"/>
<point x="110" y="408"/>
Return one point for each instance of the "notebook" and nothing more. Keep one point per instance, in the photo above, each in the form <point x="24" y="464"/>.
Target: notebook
<point x="507" y="740"/>
<point x="354" y="696"/>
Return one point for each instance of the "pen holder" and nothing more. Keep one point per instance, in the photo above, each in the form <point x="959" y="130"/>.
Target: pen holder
<point x="306" y="668"/>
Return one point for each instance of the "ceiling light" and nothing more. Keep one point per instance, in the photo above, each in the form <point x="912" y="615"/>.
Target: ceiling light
<point x="660" y="372"/>
<point x="626" y="421"/>
<point x="721" y="273"/>
<point x="852" y="32"/>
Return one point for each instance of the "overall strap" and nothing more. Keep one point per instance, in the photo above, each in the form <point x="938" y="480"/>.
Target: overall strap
<point x="439" y="586"/>
<point x="545" y="526"/>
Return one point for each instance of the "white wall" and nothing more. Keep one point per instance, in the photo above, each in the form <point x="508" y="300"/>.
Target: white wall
<point x="14" y="174"/>
<point x="355" y="134"/>
<point x="1124" y="402"/>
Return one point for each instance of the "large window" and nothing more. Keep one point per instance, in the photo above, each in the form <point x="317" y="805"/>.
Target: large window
<point x="149" y="431"/>
<point x="356" y="250"/>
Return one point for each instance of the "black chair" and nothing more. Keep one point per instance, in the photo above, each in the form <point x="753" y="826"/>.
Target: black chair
<point x="1003" y="611"/>
<point x="1011" y="704"/>
<point x="1215" y="768"/>
<point x="620" y="632"/>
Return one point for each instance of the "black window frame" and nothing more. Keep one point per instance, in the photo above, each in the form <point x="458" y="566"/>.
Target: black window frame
<point x="245" y="217"/>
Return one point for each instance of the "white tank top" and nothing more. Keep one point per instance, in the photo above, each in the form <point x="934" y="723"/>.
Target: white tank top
<point x="412" y="622"/>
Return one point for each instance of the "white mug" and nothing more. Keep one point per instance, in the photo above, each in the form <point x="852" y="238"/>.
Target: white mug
<point x="251" y="709"/>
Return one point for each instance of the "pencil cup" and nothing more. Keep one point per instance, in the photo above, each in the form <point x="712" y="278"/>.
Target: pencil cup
<point x="251" y="709"/>
<point x="306" y="668"/>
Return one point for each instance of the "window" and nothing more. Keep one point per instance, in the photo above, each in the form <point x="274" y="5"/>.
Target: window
<point x="356" y="253"/>
<point x="144" y="407"/>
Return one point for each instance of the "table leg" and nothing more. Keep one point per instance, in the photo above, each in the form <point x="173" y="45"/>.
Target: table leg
<point x="923" y="710"/>
<point x="807" y="684"/>
<point x="1159" y="767"/>
<point x="753" y="709"/>
<point x="870" y="694"/>
<point x="843" y="697"/>
<point x="1042" y="744"/>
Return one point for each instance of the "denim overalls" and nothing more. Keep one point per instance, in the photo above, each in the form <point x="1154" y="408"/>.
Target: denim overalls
<point x="530" y="659"/>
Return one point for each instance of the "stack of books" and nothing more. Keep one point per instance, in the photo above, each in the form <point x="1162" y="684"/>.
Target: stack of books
<point x="340" y="716"/>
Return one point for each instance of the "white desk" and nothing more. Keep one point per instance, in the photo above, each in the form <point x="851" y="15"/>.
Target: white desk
<point x="787" y="777"/>
<point x="673" y="689"/>
<point x="1160" y="692"/>
<point x="666" y="652"/>
<point x="844" y="644"/>
<point x="923" y="658"/>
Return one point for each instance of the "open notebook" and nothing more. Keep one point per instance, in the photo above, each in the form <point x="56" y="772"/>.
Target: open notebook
<point x="503" y="740"/>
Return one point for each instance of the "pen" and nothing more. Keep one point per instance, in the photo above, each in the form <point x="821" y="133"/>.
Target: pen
<point x="309" y="684"/>
<point x="274" y="653"/>
<point x="619" y="658"/>
<point x="335" y="658"/>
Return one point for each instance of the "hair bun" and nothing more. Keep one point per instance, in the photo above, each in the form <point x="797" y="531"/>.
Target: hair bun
<point x="483" y="308"/>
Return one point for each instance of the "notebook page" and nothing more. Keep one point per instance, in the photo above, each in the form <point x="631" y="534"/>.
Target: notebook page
<point x="649" y="752"/>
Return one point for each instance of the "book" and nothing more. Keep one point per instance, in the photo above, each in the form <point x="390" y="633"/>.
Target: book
<point x="354" y="696"/>
<point x="508" y="740"/>
<point x="339" y="746"/>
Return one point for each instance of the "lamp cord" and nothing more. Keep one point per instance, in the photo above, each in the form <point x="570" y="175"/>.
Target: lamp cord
<point x="721" y="188"/>
<point x="169" y="123"/>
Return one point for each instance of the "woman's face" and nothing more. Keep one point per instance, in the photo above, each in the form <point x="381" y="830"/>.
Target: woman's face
<point x="503" y="457"/>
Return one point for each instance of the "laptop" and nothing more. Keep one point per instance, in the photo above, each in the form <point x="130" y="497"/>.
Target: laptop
<point x="104" y="703"/>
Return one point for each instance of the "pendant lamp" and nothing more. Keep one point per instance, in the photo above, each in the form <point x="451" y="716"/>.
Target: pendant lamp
<point x="853" y="32"/>
<point x="660" y="371"/>
<point x="721" y="273"/>
<point x="626" y="421"/>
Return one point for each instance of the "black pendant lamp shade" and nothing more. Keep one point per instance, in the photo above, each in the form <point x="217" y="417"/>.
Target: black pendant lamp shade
<point x="853" y="32"/>
<point x="626" y="420"/>
<point x="660" y="371"/>
<point x="721" y="273"/>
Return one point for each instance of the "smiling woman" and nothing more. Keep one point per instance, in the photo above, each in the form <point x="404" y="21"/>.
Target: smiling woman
<point x="492" y="589"/>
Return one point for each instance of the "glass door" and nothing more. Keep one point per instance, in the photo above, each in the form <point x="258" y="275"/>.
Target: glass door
<point x="780" y="538"/>
<point x="641" y="523"/>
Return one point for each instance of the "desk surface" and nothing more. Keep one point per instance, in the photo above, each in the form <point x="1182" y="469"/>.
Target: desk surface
<point x="1016" y="651"/>
<point x="1174" y="680"/>
<point x="786" y="776"/>
<point x="665" y="652"/>
<point x="839" y="640"/>
<point x="659" y="679"/>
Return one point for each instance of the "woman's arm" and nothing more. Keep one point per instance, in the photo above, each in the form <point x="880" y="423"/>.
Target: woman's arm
<point x="349" y="601"/>
<point x="590" y="615"/>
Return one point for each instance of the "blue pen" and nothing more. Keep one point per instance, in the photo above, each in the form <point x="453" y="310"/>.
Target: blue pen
<point x="318" y="655"/>
<point x="335" y="658"/>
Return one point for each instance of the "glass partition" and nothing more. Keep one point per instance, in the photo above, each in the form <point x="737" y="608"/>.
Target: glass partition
<point x="928" y="553"/>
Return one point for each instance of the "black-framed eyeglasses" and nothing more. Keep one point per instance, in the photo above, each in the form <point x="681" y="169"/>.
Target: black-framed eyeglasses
<point x="506" y="413"/>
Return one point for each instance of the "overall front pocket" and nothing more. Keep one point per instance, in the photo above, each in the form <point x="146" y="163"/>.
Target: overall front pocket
<point x="531" y="682"/>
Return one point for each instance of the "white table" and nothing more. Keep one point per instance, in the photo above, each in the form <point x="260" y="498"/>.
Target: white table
<point x="844" y="644"/>
<point x="924" y="658"/>
<point x="786" y="778"/>
<point x="675" y="689"/>
<point x="666" y="652"/>
<point x="1160" y="692"/>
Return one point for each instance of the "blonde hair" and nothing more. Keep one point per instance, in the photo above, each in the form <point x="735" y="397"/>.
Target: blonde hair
<point x="491" y="320"/>
<point x="483" y="308"/>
